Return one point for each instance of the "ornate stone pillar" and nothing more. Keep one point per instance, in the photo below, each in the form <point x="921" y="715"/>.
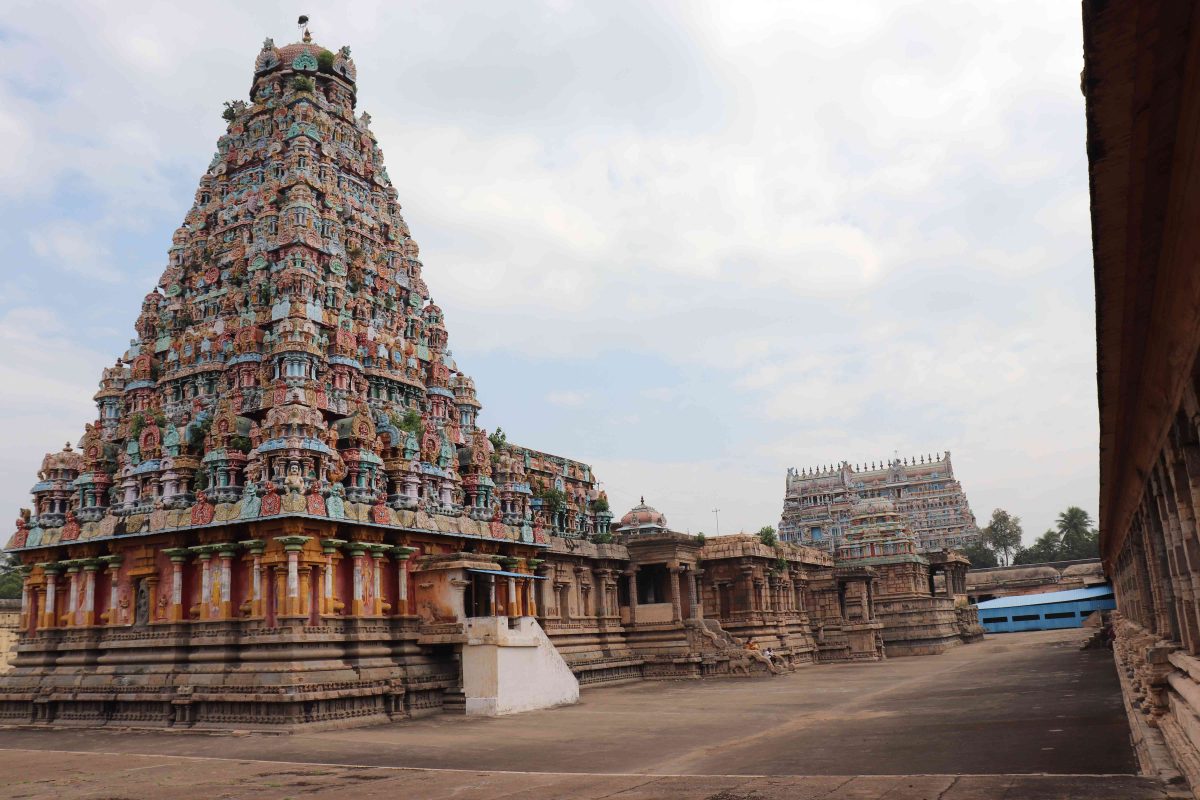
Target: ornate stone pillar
<point x="676" y="612"/>
<point x="402" y="555"/>
<point x="358" y="557"/>
<point x="225" y="554"/>
<point x="377" y="554"/>
<point x="68" y="619"/>
<point x="545" y="586"/>
<point x="292" y="545"/>
<point x="530" y="605"/>
<point x="255" y="591"/>
<point x="697" y="596"/>
<point x="50" y="611"/>
<point x="602" y="578"/>
<point x="26" y="600"/>
<point x="493" y="597"/>
<point x="178" y="556"/>
<point x="631" y="576"/>
<point x="204" y="554"/>
<point x="112" y="568"/>
<point x="329" y="548"/>
<point x="89" y="591"/>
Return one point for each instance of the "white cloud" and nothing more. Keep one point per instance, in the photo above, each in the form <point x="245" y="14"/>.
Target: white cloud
<point x="567" y="398"/>
<point x="822" y="231"/>
<point x="71" y="248"/>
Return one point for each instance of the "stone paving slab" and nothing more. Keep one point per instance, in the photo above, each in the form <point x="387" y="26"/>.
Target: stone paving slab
<point x="49" y="775"/>
<point x="1023" y="716"/>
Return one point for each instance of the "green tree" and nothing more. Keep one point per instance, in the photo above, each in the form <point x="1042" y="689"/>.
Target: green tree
<point x="1047" y="547"/>
<point x="980" y="555"/>
<point x="1079" y="538"/>
<point x="766" y="535"/>
<point x="10" y="577"/>
<point x="1003" y="535"/>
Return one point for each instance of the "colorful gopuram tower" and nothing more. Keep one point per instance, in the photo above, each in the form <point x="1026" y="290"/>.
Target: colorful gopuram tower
<point x="286" y="461"/>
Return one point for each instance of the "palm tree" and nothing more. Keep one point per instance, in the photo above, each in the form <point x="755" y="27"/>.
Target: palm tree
<point x="1079" y="537"/>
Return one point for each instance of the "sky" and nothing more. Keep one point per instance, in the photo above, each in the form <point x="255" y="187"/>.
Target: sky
<point x="692" y="244"/>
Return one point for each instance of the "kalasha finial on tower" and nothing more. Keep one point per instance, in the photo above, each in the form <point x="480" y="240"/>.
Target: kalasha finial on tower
<point x="302" y="23"/>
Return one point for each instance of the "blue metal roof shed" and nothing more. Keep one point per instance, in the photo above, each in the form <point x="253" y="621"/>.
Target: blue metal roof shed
<point x="1039" y="612"/>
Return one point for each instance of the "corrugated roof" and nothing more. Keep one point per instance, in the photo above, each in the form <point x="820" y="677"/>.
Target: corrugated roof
<point x="1069" y="596"/>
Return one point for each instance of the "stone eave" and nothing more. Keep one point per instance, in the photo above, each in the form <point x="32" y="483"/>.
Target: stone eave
<point x="259" y="520"/>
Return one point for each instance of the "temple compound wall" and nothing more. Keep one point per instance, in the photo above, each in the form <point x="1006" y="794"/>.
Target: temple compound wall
<point x="10" y="622"/>
<point x="1141" y="70"/>
<point x="990" y="583"/>
<point x="818" y="502"/>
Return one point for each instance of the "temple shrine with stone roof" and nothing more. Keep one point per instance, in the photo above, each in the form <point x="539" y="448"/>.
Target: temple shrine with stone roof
<point x="285" y="514"/>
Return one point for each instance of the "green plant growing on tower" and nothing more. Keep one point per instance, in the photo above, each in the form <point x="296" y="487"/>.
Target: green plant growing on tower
<point x="554" y="499"/>
<point x="410" y="422"/>
<point x="325" y="61"/>
<point x="303" y="84"/>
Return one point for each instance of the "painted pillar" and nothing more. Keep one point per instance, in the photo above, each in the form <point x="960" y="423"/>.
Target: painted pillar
<point x="255" y="593"/>
<point x="329" y="548"/>
<point x="512" y="609"/>
<point x="358" y="556"/>
<point x="225" y="597"/>
<point x="112" y="566"/>
<point x="204" y="555"/>
<point x="89" y="591"/>
<point x="377" y="579"/>
<point x="69" y="618"/>
<point x="530" y="604"/>
<point x="292" y="545"/>
<point x="402" y="555"/>
<point x="492" y="589"/>
<point x="178" y="556"/>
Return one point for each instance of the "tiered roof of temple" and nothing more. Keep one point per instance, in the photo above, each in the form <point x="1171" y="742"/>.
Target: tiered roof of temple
<point x="291" y="360"/>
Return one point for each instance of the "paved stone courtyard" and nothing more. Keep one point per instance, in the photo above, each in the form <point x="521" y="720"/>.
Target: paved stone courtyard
<point x="1020" y="715"/>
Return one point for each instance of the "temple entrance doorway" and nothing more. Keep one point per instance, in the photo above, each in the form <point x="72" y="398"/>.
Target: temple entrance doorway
<point x="479" y="596"/>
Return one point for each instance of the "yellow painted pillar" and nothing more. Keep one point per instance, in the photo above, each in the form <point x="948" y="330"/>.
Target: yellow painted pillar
<point x="292" y="545"/>
<point x="225" y="574"/>
<point x="329" y="547"/>
<point x="88" y="615"/>
<point x="50" y="609"/>
<point x="358" y="555"/>
<point x="178" y="556"/>
<point x="377" y="552"/>
<point x="255" y="587"/>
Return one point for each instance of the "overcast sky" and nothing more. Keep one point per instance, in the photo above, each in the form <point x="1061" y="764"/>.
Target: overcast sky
<point x="690" y="244"/>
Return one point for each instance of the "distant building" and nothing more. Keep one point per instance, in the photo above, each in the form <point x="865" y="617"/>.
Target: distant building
<point x="818" y="502"/>
<point x="1046" y="611"/>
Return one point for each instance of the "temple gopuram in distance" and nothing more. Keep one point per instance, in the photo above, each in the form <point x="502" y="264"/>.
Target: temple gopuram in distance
<point x="285" y="514"/>
<point x="818" y="502"/>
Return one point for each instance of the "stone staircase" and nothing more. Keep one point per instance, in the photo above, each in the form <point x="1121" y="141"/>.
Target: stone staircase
<point x="712" y="639"/>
